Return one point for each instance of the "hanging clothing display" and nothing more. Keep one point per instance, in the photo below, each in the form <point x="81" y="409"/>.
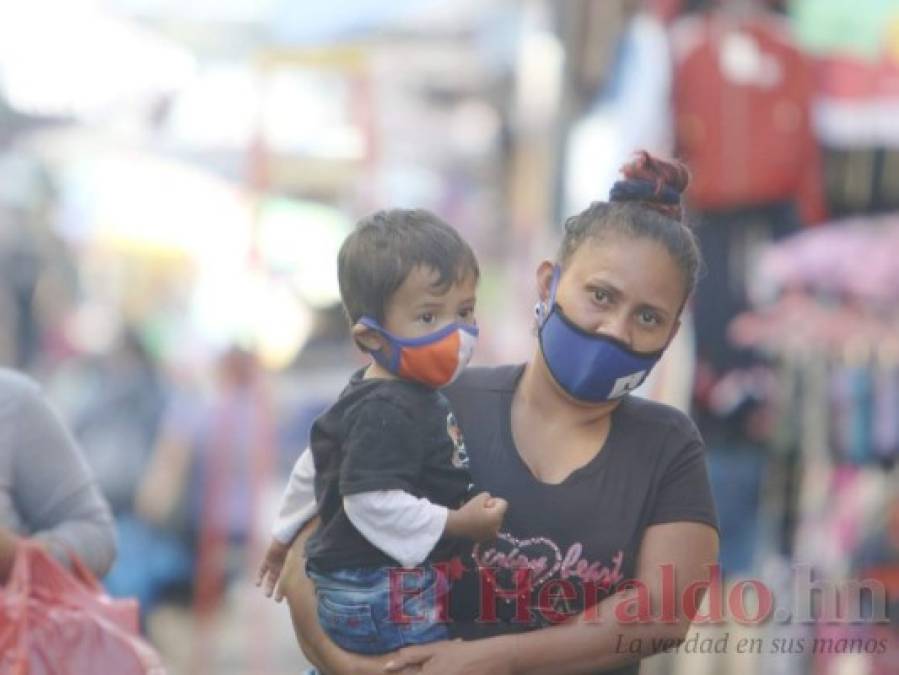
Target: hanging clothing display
<point x="742" y="104"/>
<point x="631" y="112"/>
<point x="826" y="315"/>
<point x="730" y="381"/>
<point x="854" y="48"/>
<point x="742" y="97"/>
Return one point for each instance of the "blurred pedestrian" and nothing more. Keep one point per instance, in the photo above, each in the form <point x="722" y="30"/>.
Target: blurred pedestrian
<point x="47" y="492"/>
<point x="118" y="422"/>
<point x="205" y="478"/>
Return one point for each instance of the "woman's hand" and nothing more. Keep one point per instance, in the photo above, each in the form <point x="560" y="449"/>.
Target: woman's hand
<point x="7" y="552"/>
<point x="454" y="657"/>
<point x="299" y="591"/>
<point x="345" y="663"/>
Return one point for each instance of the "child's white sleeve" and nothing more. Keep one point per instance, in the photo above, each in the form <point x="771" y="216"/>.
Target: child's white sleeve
<point x="403" y="526"/>
<point x="298" y="501"/>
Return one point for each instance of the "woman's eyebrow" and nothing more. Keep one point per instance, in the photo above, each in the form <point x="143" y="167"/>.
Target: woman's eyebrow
<point x="616" y="292"/>
<point x="606" y="286"/>
<point x="658" y="310"/>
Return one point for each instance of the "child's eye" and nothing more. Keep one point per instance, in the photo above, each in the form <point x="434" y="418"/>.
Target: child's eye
<point x="602" y="296"/>
<point x="467" y="314"/>
<point x="426" y="318"/>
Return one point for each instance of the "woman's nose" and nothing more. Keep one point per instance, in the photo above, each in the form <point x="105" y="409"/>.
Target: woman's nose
<point x="616" y="325"/>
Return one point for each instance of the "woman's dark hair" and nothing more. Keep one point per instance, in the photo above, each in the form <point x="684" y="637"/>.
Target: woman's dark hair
<point x="646" y="204"/>
<point x="378" y="255"/>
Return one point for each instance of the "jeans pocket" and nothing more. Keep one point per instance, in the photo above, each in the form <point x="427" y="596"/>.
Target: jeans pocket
<point x="351" y="626"/>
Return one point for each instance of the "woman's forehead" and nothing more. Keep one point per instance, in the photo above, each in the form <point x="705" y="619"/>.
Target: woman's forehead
<point x="639" y="268"/>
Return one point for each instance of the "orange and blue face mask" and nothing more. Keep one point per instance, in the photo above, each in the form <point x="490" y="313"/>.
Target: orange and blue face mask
<point x="435" y="359"/>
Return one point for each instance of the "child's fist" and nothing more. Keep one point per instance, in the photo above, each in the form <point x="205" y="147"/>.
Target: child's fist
<point x="479" y="519"/>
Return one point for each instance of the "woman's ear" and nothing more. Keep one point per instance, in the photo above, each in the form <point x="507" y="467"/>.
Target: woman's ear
<point x="367" y="339"/>
<point x="544" y="280"/>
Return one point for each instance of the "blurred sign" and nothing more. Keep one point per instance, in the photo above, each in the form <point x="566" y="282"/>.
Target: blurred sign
<point x="863" y="28"/>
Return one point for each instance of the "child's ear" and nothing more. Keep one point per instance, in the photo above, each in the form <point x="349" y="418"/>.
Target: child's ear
<point x="368" y="340"/>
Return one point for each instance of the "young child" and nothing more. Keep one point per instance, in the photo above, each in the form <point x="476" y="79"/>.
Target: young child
<point x="391" y="479"/>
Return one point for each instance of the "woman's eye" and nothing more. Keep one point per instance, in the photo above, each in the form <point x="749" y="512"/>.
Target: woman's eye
<point x="648" y="318"/>
<point x="427" y="317"/>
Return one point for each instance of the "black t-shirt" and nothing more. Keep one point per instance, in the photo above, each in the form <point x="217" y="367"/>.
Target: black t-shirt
<point x="383" y="435"/>
<point x="588" y="527"/>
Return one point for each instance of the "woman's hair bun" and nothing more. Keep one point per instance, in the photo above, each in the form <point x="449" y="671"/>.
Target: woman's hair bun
<point x="656" y="183"/>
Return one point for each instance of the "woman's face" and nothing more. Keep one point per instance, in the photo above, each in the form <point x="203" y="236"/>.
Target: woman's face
<point x="627" y="288"/>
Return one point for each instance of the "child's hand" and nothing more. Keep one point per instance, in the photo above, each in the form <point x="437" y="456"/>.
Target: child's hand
<point x="271" y="566"/>
<point x="479" y="519"/>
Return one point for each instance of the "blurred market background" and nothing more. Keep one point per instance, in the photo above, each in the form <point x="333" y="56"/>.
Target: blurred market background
<point x="176" y="178"/>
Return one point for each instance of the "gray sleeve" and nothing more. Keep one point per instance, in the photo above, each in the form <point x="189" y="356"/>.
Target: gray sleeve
<point x="54" y="491"/>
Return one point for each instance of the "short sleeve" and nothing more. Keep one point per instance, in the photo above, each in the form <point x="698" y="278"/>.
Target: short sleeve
<point x="684" y="492"/>
<point x="381" y="450"/>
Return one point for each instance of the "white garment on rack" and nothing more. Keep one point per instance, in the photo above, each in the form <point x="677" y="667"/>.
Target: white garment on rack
<point x="632" y="113"/>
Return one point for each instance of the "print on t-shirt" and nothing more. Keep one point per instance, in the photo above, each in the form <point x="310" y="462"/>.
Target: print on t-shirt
<point x="460" y="454"/>
<point x="547" y="564"/>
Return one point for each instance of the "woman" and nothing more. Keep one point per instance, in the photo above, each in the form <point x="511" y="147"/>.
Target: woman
<point x="47" y="492"/>
<point x="602" y="487"/>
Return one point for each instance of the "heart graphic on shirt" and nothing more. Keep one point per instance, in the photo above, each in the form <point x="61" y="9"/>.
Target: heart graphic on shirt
<point x="510" y="554"/>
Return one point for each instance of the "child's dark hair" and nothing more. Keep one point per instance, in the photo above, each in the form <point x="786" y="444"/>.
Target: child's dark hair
<point x="645" y="204"/>
<point x="378" y="255"/>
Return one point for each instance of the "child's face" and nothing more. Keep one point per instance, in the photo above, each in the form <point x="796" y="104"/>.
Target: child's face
<point x="418" y="307"/>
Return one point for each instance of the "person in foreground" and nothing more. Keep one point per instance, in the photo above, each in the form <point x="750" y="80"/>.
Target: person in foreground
<point x="610" y="522"/>
<point x="47" y="492"/>
<point x="392" y="474"/>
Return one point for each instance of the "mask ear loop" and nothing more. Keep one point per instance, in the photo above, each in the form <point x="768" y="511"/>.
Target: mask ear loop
<point x="542" y="309"/>
<point x="554" y="285"/>
<point x="391" y="364"/>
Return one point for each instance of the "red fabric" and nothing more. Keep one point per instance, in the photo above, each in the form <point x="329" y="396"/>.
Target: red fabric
<point x="852" y="78"/>
<point x="56" y="622"/>
<point x="665" y="10"/>
<point x="747" y="139"/>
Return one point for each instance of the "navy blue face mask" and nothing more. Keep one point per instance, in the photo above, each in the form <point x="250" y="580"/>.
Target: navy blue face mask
<point x="589" y="367"/>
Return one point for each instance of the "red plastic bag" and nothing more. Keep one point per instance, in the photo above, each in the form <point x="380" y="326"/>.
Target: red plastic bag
<point x="57" y="622"/>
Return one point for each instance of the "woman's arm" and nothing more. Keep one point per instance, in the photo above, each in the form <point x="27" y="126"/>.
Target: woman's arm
<point x="592" y="641"/>
<point x="316" y="645"/>
<point x="588" y="645"/>
<point x="57" y="498"/>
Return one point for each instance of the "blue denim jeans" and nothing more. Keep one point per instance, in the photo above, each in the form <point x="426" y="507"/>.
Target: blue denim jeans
<point x="354" y="607"/>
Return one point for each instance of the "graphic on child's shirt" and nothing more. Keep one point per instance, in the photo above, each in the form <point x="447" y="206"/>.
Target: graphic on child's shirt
<point x="460" y="454"/>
